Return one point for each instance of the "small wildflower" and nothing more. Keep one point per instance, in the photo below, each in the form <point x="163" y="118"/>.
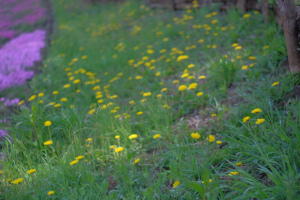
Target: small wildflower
<point x="47" y="123"/>
<point x="233" y="173"/>
<point x="246" y="119"/>
<point x="219" y="142"/>
<point x="156" y="136"/>
<point x="112" y="146"/>
<point x="256" y="110"/>
<point x="238" y="164"/>
<point x="133" y="136"/>
<point x="50" y="193"/>
<point x="195" y="135"/>
<point x="32" y="98"/>
<point x="182" y="87"/>
<point x="48" y="143"/>
<point x="245" y="67"/>
<point x="73" y="162"/>
<point x="136" y="161"/>
<point x="79" y="157"/>
<point x="199" y="94"/>
<point x="31" y="171"/>
<point x="40" y="94"/>
<point x="275" y="83"/>
<point x="213" y="115"/>
<point x="192" y="86"/>
<point x="89" y="139"/>
<point x="182" y="57"/>
<point x="246" y="15"/>
<point x="211" y="138"/>
<point x="140" y="113"/>
<point x="259" y="121"/>
<point x="117" y="136"/>
<point x="252" y="58"/>
<point x="191" y="65"/>
<point x="119" y="149"/>
<point x="176" y="183"/>
<point x="202" y="77"/>
<point x="17" y="181"/>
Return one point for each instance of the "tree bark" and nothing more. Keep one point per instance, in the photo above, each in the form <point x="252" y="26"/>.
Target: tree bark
<point x="266" y="10"/>
<point x="288" y="13"/>
<point x="241" y="4"/>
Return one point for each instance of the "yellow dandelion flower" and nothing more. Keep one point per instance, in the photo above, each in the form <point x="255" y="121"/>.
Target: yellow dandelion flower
<point x="117" y="136"/>
<point x="67" y="85"/>
<point x="238" y="47"/>
<point x="196" y="136"/>
<point x="47" y="123"/>
<point x="191" y="65"/>
<point x="49" y="142"/>
<point x="31" y="171"/>
<point x="79" y="157"/>
<point x="76" y="81"/>
<point x="156" y="136"/>
<point x="136" y="161"/>
<point x="50" y="193"/>
<point x="17" y="181"/>
<point x="211" y="138"/>
<point x="275" y="83"/>
<point x="164" y="89"/>
<point x="245" y="67"/>
<point x="199" y="94"/>
<point x="260" y="121"/>
<point x="131" y="102"/>
<point x="40" y="94"/>
<point x="119" y="149"/>
<point x="159" y="96"/>
<point x="112" y="146"/>
<point x="256" y="110"/>
<point x="32" y="98"/>
<point x="74" y="162"/>
<point x="21" y="102"/>
<point x="246" y="15"/>
<point x="252" y="58"/>
<point x="133" y="136"/>
<point x="219" y="142"/>
<point x="182" y="57"/>
<point x="91" y="112"/>
<point x="246" y="119"/>
<point x="182" y="87"/>
<point x="233" y="173"/>
<point x="192" y="86"/>
<point x="89" y="139"/>
<point x="138" y="77"/>
<point x="140" y="113"/>
<point x="157" y="74"/>
<point x="176" y="183"/>
<point x="213" y="115"/>
<point x="238" y="164"/>
<point x="202" y="77"/>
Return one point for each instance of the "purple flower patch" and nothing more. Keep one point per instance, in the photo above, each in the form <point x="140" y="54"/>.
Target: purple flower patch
<point x="16" y="55"/>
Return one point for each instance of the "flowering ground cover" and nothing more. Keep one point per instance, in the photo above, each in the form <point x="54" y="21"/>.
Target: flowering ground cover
<point x="135" y="103"/>
<point x="16" y="16"/>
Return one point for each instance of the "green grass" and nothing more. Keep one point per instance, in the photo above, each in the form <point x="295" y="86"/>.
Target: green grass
<point x="116" y="40"/>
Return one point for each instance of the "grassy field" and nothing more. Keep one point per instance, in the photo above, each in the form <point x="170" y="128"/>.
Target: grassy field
<point x="135" y="103"/>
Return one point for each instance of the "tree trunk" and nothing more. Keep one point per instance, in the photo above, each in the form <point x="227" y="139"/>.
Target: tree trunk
<point x="241" y="4"/>
<point x="266" y="10"/>
<point x="288" y="13"/>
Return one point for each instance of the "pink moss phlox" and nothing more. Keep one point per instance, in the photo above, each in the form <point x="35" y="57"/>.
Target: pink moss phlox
<point x="16" y="55"/>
